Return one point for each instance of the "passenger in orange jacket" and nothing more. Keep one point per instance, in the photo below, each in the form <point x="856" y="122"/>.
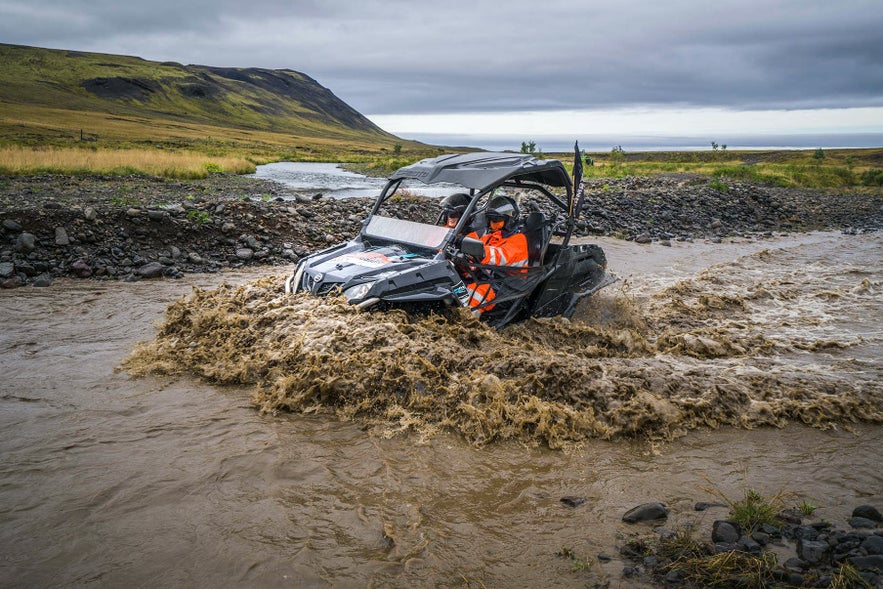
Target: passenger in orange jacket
<point x="503" y="246"/>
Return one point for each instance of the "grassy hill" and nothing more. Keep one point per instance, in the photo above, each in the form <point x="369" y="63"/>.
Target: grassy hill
<point x="70" y="99"/>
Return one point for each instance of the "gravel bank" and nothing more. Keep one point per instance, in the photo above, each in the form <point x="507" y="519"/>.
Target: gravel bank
<point x="129" y="228"/>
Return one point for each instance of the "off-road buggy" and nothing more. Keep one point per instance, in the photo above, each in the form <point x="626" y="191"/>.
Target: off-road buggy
<point x="405" y="257"/>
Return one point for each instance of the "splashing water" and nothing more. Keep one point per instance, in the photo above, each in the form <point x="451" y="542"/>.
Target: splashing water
<point x="773" y="336"/>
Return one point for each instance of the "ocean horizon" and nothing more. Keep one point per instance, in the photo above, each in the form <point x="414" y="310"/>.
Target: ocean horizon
<point x="605" y="143"/>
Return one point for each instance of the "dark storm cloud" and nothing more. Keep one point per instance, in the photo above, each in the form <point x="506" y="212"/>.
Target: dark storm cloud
<point x="396" y="56"/>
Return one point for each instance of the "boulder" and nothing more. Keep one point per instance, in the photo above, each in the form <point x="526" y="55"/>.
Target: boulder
<point x="868" y="512"/>
<point x="646" y="512"/>
<point x="151" y="270"/>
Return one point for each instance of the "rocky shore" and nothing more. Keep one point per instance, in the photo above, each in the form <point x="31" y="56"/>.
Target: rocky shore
<point x="132" y="228"/>
<point x="792" y="548"/>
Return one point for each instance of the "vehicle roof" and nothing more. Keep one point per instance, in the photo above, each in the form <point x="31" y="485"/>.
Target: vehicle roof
<point x="485" y="169"/>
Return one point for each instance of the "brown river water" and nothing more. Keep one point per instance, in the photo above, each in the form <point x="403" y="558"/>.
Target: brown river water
<point x="429" y="452"/>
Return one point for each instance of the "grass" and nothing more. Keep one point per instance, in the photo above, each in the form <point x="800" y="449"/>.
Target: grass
<point x="116" y="162"/>
<point x="729" y="569"/>
<point x="840" y="169"/>
<point x="753" y="508"/>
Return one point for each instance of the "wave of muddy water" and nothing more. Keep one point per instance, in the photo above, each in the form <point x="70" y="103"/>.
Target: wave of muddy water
<point x="116" y="480"/>
<point x="747" y="342"/>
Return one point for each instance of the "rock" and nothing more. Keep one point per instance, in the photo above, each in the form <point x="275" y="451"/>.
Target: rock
<point x="11" y="226"/>
<point x="873" y="545"/>
<point x="43" y="280"/>
<point x="702" y="506"/>
<point x="725" y="531"/>
<point x="572" y="501"/>
<point x="812" y="551"/>
<point x="156" y="215"/>
<point x="194" y="258"/>
<point x="81" y="269"/>
<point x="868" y="563"/>
<point x="26" y="243"/>
<point x="228" y="228"/>
<point x="151" y="270"/>
<point x="90" y="214"/>
<point x="12" y="282"/>
<point x="645" y="512"/>
<point x="26" y="268"/>
<point x="795" y="564"/>
<point x="133" y="212"/>
<point x="749" y="545"/>
<point x="61" y="237"/>
<point x="244" y="253"/>
<point x="862" y="522"/>
<point x="868" y="512"/>
<point x="805" y="533"/>
<point x="643" y="238"/>
<point x="7" y="269"/>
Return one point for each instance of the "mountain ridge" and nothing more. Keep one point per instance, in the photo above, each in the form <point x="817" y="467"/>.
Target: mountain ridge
<point x="37" y="86"/>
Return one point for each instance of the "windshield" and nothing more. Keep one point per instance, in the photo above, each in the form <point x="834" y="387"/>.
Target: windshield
<point x="410" y="232"/>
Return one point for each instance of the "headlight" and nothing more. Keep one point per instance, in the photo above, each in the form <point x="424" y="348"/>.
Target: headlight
<point x="358" y="292"/>
<point x="298" y="275"/>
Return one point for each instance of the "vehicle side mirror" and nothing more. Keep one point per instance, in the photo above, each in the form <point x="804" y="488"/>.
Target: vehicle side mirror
<point x="472" y="247"/>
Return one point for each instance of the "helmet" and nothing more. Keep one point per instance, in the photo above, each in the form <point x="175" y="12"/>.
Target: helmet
<point x="503" y="207"/>
<point x="455" y="203"/>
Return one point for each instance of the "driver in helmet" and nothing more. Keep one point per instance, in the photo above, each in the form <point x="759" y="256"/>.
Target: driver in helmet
<point x="503" y="246"/>
<point x="452" y="209"/>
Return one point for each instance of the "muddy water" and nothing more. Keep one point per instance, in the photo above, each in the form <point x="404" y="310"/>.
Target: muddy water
<point x="115" y="480"/>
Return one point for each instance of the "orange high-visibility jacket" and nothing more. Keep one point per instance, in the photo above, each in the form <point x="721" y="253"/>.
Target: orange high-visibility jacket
<point x="498" y="251"/>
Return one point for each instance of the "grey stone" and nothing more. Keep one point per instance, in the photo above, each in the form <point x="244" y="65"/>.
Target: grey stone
<point x="155" y="215"/>
<point x="133" y="212"/>
<point x="645" y="512"/>
<point x="872" y="562"/>
<point x="572" y="501"/>
<point x="81" y="269"/>
<point x="812" y="551"/>
<point x="643" y="238"/>
<point x="868" y="512"/>
<point x="90" y="213"/>
<point x="228" y="228"/>
<point x="194" y="258"/>
<point x="7" y="269"/>
<point x="862" y="522"/>
<point x="244" y="253"/>
<point x="43" y="280"/>
<point x="873" y="544"/>
<point x="11" y="225"/>
<point x="25" y="243"/>
<point x="151" y="270"/>
<point x="725" y="531"/>
<point x="61" y="237"/>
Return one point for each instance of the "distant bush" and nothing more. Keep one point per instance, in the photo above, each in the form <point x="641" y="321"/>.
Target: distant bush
<point x="873" y="177"/>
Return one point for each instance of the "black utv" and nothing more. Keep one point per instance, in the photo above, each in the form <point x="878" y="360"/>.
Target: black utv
<point x="405" y="257"/>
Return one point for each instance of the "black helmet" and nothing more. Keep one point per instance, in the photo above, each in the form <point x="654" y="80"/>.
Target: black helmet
<point x="455" y="203"/>
<point x="503" y="207"/>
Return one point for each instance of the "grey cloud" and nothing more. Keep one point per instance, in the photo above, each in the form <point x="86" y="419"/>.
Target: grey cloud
<point x="401" y="56"/>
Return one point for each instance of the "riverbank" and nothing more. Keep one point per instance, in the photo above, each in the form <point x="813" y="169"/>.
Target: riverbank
<point x="130" y="228"/>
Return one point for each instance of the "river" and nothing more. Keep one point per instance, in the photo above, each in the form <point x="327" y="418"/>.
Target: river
<point x="110" y="480"/>
<point x="330" y="179"/>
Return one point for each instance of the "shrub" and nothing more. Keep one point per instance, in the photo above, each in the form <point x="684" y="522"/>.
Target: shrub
<point x="873" y="177"/>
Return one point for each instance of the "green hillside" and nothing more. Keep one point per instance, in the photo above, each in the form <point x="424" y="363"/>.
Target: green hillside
<point x="68" y="98"/>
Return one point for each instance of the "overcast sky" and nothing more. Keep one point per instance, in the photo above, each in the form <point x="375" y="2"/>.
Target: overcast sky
<point x="631" y="67"/>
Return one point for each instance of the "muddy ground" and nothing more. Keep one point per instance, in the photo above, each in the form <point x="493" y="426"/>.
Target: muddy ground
<point x="135" y="227"/>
